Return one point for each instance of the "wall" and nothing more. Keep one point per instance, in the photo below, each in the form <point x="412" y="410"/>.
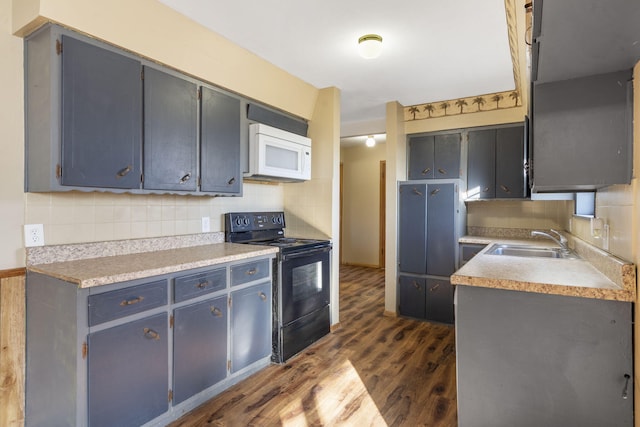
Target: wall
<point x="312" y="207"/>
<point x="361" y="204"/>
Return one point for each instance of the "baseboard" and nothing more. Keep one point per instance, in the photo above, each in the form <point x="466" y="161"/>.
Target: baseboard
<point x="14" y="272"/>
<point x="335" y="327"/>
<point x="388" y="313"/>
<point x="353" y="264"/>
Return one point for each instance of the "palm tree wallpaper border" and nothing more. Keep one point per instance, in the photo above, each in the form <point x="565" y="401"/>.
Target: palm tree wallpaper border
<point x="472" y="104"/>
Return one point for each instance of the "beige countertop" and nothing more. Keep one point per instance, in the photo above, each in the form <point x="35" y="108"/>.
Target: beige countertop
<point x="118" y="268"/>
<point x="614" y="280"/>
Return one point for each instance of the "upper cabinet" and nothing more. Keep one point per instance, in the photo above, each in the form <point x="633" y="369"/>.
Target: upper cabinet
<point x="583" y="53"/>
<point x="578" y="38"/>
<point x="496" y="163"/>
<point x="434" y="156"/>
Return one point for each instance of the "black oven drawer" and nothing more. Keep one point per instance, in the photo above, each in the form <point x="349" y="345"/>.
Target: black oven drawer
<point x="249" y="271"/>
<point x="194" y="285"/>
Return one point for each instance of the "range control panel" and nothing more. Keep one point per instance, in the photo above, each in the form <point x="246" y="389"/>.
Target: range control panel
<point x="238" y="222"/>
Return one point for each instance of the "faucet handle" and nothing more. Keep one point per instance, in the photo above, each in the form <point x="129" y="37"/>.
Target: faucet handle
<point x="562" y="238"/>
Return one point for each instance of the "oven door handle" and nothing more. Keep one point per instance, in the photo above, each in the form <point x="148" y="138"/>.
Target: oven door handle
<point x="287" y="257"/>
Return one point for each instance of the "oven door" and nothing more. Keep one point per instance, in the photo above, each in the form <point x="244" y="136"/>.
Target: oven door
<point x="305" y="283"/>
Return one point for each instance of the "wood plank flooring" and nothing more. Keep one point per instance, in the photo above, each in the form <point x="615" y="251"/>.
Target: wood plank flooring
<point x="372" y="371"/>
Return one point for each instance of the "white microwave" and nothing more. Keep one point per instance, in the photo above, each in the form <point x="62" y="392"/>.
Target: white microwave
<point x="278" y="155"/>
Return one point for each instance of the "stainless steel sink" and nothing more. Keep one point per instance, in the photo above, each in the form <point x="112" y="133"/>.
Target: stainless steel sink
<point x="530" y="251"/>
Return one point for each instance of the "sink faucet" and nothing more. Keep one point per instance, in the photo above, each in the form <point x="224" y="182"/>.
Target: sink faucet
<point x="561" y="240"/>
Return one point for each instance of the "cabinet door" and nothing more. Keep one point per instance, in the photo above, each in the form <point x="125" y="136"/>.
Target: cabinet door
<point x="439" y="301"/>
<point x="199" y="347"/>
<point x="412" y="229"/>
<point x="170" y="132"/>
<point x="482" y="164"/>
<point x="220" y="143"/>
<point x="250" y="325"/>
<point x="128" y="373"/>
<point x="447" y="156"/>
<point x="101" y="117"/>
<point x="411" y="293"/>
<point x="441" y="239"/>
<point x="510" y="162"/>
<point x="421" y="151"/>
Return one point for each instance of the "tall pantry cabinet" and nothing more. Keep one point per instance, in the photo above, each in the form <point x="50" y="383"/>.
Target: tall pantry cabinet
<point x="430" y="222"/>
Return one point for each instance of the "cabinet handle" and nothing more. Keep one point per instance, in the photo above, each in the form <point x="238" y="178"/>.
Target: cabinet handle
<point x="415" y="191"/>
<point x="151" y="334"/>
<point x="505" y="188"/>
<point x="231" y="181"/>
<point x="216" y="311"/>
<point x="625" y="394"/>
<point x="436" y="191"/>
<point x="185" y="178"/>
<point x="485" y="189"/>
<point x="252" y="272"/>
<point x="442" y="171"/>
<point x="131" y="301"/>
<point x="202" y="285"/>
<point x="263" y="297"/>
<point x="416" y="285"/>
<point x="426" y="171"/>
<point x="123" y="172"/>
<point x="433" y="288"/>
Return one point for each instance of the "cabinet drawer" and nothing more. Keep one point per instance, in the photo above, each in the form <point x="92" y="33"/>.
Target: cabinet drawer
<point x="249" y="271"/>
<point x="194" y="285"/>
<point x="124" y="302"/>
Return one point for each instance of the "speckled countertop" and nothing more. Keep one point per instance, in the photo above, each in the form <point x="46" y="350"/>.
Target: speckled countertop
<point x="596" y="275"/>
<point x="95" y="271"/>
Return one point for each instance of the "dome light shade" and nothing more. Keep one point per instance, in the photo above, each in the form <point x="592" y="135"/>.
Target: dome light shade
<point x="371" y="141"/>
<point x="370" y="46"/>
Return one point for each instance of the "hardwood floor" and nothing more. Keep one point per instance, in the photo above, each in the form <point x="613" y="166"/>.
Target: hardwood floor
<point x="372" y="371"/>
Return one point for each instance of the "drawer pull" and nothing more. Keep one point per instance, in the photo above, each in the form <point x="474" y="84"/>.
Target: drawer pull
<point x="434" y="287"/>
<point x="505" y="188"/>
<point x="252" y="272"/>
<point x="122" y="172"/>
<point x="415" y="191"/>
<point x="436" y="191"/>
<point x="625" y="393"/>
<point x="151" y="334"/>
<point x="263" y="296"/>
<point x="185" y="178"/>
<point x="426" y="171"/>
<point x="442" y="171"/>
<point x="231" y="181"/>
<point x="131" y="301"/>
<point x="216" y="311"/>
<point x="416" y="285"/>
<point x="202" y="285"/>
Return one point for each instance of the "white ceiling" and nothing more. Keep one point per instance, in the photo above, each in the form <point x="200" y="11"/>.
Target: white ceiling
<point x="432" y="50"/>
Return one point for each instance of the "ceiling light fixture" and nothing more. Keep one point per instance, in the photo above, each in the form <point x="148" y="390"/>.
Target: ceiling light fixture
<point x="371" y="141"/>
<point x="370" y="46"/>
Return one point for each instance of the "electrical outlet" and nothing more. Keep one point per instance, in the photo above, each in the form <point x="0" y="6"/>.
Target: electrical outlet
<point x="206" y="224"/>
<point x="33" y="235"/>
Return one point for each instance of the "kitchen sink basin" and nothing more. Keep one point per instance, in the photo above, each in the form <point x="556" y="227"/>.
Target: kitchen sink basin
<point x="530" y="251"/>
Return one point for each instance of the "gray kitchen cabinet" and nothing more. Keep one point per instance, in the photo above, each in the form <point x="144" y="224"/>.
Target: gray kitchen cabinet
<point x="533" y="360"/>
<point x="101" y="117"/>
<point x="412" y="296"/>
<point x="170" y="132"/>
<point x="495" y="166"/>
<point x="434" y="156"/>
<point x="127" y="353"/>
<point x="582" y="133"/>
<point x="430" y="221"/>
<point x="127" y="373"/>
<point x="250" y="325"/>
<point x="220" y="143"/>
<point x="199" y="347"/>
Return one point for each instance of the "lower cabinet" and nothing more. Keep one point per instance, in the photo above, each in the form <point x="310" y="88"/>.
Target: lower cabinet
<point x="429" y="298"/>
<point x="142" y="352"/>
<point x="127" y="373"/>
<point x="530" y="360"/>
<point x="250" y="325"/>
<point x="199" y="347"/>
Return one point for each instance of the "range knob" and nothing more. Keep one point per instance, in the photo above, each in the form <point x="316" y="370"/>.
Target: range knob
<point x="238" y="221"/>
<point x="246" y="221"/>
